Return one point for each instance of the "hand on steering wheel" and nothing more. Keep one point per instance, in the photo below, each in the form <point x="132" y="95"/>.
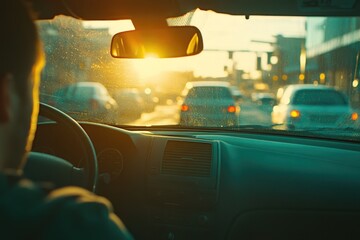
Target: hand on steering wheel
<point x="45" y="167"/>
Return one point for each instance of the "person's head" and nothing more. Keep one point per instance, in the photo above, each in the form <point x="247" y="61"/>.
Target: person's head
<point x="21" y="61"/>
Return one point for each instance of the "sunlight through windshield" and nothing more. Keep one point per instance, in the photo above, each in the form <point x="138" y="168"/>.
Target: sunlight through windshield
<point x="259" y="71"/>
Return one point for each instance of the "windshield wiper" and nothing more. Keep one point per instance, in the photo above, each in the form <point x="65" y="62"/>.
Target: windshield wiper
<point x="239" y="127"/>
<point x="345" y="133"/>
<point x="278" y="129"/>
<point x="258" y="126"/>
<point x="206" y="128"/>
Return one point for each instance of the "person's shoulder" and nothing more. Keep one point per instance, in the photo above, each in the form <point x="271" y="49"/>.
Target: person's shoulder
<point x="21" y="201"/>
<point x="39" y="211"/>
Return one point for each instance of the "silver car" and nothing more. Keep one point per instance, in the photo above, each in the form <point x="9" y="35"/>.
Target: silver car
<point x="208" y="103"/>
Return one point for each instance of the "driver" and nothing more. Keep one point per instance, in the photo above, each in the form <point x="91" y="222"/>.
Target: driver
<point x="26" y="210"/>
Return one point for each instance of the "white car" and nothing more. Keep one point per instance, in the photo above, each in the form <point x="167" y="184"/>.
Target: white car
<point x="310" y="106"/>
<point x="208" y="103"/>
<point x="85" y="100"/>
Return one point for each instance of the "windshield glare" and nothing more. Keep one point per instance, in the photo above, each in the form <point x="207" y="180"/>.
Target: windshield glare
<point x="255" y="60"/>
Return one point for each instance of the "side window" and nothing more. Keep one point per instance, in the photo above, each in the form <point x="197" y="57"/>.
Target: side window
<point x="184" y="92"/>
<point x="191" y="93"/>
<point x="69" y="92"/>
<point x="83" y="93"/>
<point x="63" y="93"/>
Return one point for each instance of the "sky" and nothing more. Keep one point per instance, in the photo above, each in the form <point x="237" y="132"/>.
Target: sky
<point x="221" y="32"/>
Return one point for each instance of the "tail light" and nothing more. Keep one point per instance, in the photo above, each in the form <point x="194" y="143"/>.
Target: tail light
<point x="231" y="109"/>
<point x="94" y="104"/>
<point x="354" y="116"/>
<point x="184" y="108"/>
<point x="295" y="114"/>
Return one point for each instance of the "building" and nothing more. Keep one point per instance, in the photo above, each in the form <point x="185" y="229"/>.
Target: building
<point x="332" y="44"/>
<point x="287" y="67"/>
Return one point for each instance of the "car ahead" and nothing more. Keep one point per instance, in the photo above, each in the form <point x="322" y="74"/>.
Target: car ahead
<point x="172" y="181"/>
<point x="266" y="99"/>
<point x="150" y="101"/>
<point x="130" y="104"/>
<point x="237" y="94"/>
<point x="208" y="103"/>
<point x="89" y="101"/>
<point x="310" y="106"/>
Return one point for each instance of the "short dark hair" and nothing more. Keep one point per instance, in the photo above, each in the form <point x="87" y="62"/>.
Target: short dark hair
<point x="19" y="41"/>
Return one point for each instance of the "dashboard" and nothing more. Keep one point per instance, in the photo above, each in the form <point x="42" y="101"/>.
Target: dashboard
<point x="171" y="184"/>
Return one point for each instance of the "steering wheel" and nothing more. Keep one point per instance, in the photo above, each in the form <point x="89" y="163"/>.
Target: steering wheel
<point x="45" y="167"/>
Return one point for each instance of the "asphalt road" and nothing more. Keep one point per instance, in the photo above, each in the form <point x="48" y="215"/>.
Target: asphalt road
<point x="250" y="114"/>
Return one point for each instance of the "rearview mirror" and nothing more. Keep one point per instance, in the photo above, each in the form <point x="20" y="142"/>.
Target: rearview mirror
<point x="168" y="42"/>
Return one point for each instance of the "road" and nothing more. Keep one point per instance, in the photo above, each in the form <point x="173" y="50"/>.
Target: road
<point x="162" y="115"/>
<point x="253" y="114"/>
<point x="250" y="114"/>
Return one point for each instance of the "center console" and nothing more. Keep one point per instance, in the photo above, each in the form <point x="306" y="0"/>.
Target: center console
<point x="182" y="188"/>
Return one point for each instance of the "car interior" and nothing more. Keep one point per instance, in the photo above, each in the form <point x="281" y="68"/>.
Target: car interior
<point x="184" y="182"/>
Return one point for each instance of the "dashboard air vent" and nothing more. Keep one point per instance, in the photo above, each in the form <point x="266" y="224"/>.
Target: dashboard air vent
<point x="187" y="159"/>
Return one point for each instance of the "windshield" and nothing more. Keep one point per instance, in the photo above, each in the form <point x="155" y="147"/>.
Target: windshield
<point x="253" y="59"/>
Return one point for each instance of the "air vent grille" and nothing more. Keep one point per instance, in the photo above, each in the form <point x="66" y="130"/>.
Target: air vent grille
<point x="187" y="159"/>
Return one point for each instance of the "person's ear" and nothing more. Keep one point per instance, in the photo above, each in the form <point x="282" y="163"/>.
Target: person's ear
<point x="5" y="97"/>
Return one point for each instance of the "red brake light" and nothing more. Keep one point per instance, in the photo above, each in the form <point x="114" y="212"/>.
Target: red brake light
<point x="231" y="109"/>
<point x="354" y="116"/>
<point x="295" y="114"/>
<point x="184" y="108"/>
